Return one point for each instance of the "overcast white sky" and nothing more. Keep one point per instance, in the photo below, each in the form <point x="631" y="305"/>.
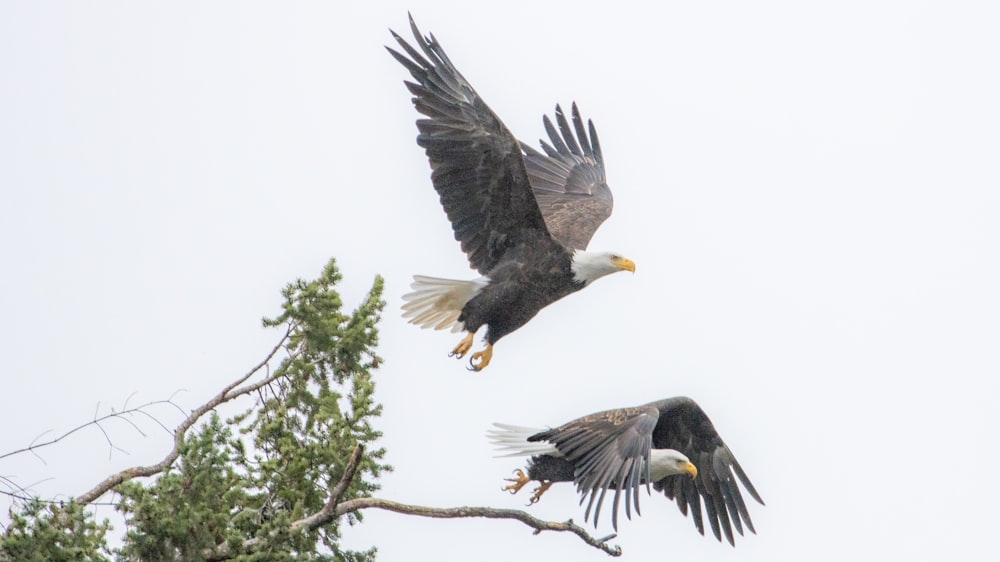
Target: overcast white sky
<point x="810" y="191"/>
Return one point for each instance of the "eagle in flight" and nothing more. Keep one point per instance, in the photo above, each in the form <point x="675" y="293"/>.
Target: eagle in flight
<point x="523" y="217"/>
<point x="670" y="445"/>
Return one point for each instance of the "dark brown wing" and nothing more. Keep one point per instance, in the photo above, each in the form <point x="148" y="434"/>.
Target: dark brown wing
<point x="610" y="450"/>
<point x="683" y="426"/>
<point x="569" y="181"/>
<point x="476" y="162"/>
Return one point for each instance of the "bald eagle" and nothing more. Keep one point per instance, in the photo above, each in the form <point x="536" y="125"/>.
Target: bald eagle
<point x="669" y="444"/>
<point x="523" y="218"/>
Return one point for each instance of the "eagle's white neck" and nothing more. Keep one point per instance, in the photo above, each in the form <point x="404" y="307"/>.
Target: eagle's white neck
<point x="591" y="266"/>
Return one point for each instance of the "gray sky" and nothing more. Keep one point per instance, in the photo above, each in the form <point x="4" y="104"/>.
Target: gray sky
<point x="810" y="193"/>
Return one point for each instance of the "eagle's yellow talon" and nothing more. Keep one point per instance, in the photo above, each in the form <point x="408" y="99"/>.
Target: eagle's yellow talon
<point x="481" y="359"/>
<point x="518" y="483"/>
<point x="463" y="347"/>
<point x="538" y="492"/>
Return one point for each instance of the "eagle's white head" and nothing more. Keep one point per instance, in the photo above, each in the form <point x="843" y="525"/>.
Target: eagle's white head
<point x="668" y="462"/>
<point x="590" y="266"/>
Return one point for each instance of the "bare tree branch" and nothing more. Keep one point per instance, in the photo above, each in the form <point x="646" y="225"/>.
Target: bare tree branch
<point x="225" y="395"/>
<point x="26" y="497"/>
<point x="325" y="516"/>
<point x="488" y="512"/>
<point x="33" y="446"/>
<point x="24" y="493"/>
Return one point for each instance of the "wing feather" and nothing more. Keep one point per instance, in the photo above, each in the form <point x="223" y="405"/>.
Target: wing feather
<point x="569" y="180"/>
<point x="476" y="163"/>
<point x="685" y="427"/>
<point x="610" y="452"/>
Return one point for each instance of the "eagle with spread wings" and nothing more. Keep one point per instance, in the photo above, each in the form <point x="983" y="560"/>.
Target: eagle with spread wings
<point x="669" y="444"/>
<point x="523" y="217"/>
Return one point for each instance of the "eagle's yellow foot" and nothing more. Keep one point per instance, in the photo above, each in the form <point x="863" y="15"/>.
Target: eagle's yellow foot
<point x="463" y="346"/>
<point x="481" y="359"/>
<point x="518" y="483"/>
<point x="538" y="492"/>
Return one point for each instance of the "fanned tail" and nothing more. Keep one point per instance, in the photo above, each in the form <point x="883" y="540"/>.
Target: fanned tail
<point x="437" y="303"/>
<point x="512" y="441"/>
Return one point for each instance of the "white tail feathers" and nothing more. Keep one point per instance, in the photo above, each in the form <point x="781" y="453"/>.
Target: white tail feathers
<point x="513" y="441"/>
<point x="437" y="303"/>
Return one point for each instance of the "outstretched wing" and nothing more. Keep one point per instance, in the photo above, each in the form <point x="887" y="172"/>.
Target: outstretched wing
<point x="610" y="450"/>
<point x="476" y="162"/>
<point x="683" y="426"/>
<point x="569" y="181"/>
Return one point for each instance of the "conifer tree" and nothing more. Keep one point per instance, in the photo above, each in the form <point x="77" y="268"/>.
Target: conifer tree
<point x="273" y="482"/>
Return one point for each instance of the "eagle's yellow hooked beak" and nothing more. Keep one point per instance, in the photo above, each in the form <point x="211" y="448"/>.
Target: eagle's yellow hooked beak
<point x="624" y="263"/>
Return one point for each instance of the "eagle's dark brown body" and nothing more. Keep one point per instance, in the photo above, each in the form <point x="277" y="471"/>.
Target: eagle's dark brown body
<point x="546" y="468"/>
<point x="536" y="272"/>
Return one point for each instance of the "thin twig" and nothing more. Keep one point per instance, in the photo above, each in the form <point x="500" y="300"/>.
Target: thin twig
<point x="14" y="485"/>
<point x="27" y="499"/>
